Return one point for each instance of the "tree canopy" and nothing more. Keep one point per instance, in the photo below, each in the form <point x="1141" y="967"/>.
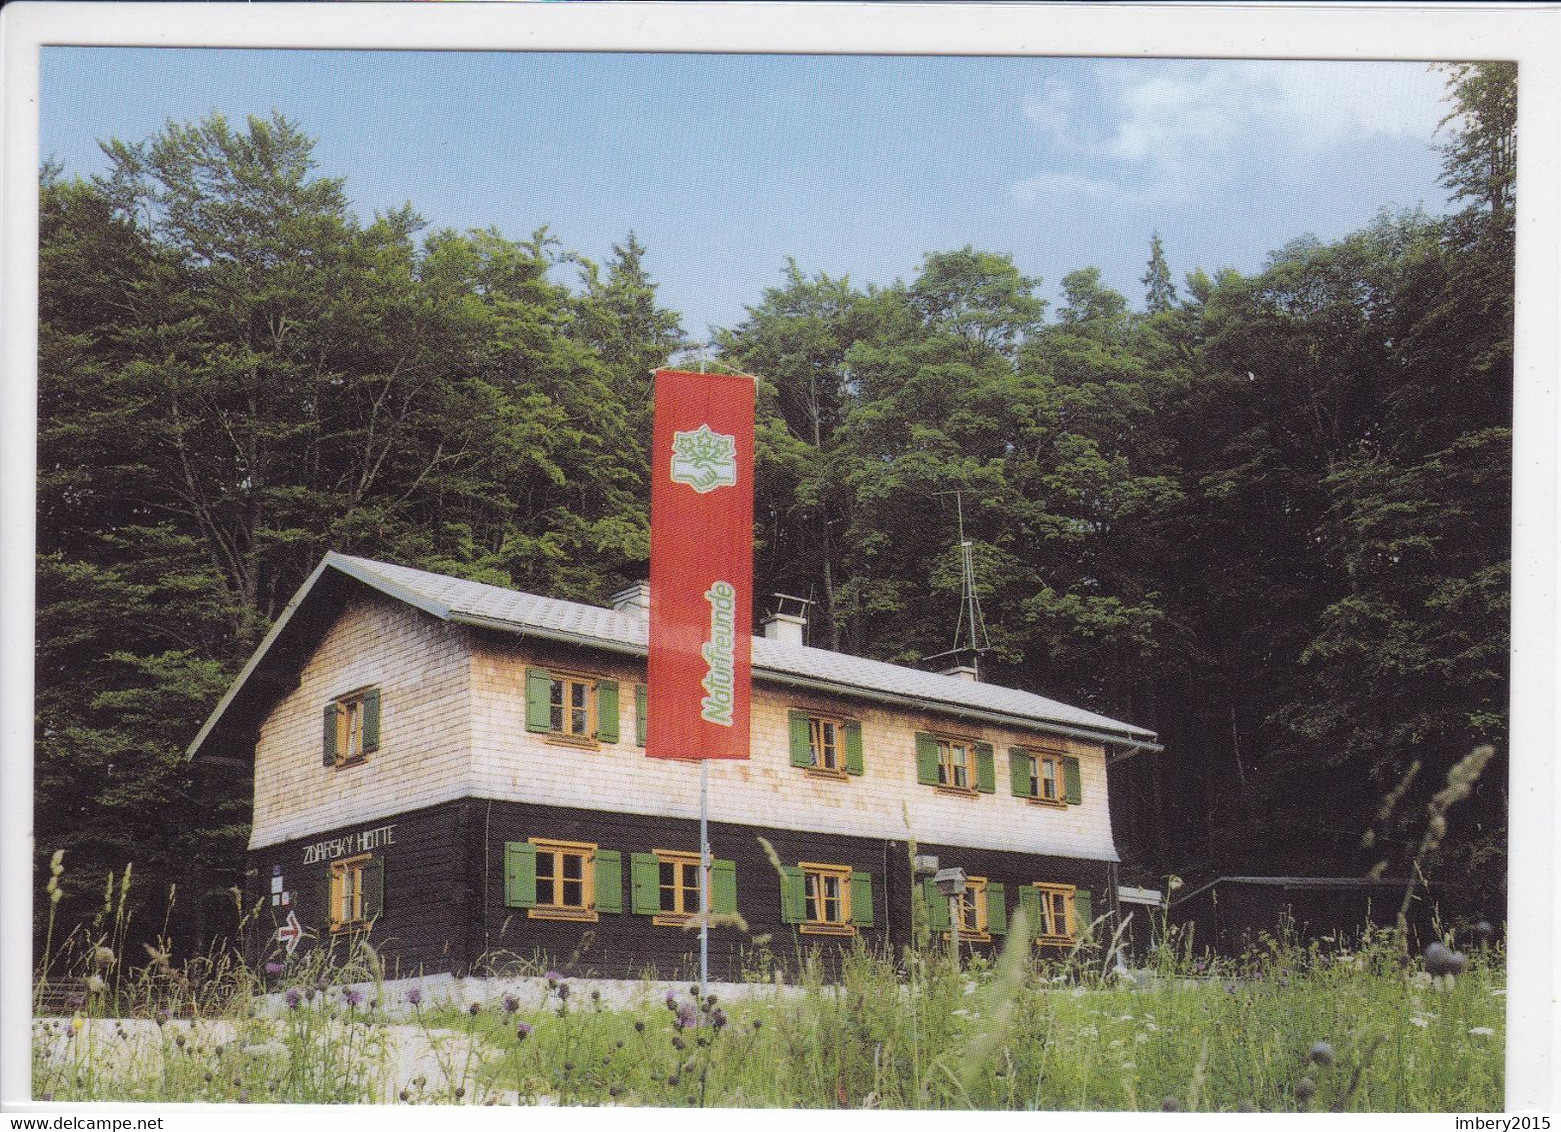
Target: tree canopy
<point x="1266" y="516"/>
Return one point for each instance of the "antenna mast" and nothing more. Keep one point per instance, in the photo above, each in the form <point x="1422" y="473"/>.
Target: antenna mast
<point x="969" y="622"/>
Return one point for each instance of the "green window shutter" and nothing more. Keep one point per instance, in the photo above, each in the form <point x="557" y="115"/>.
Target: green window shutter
<point x="609" y="880"/>
<point x="607" y="711"/>
<point x="1070" y="781"/>
<point x="861" y="899"/>
<point x="1030" y="905"/>
<point x="520" y="874"/>
<point x="645" y="884"/>
<point x="926" y="759"/>
<point x="371" y="721"/>
<point x="801" y="745"/>
<point x="794" y="899"/>
<point x="639" y="714"/>
<point x="723" y="887"/>
<point x="374" y="888"/>
<point x="986" y="772"/>
<point x="937" y="906"/>
<point x="329" y="756"/>
<point x="1019" y="772"/>
<point x="1083" y="911"/>
<point x="539" y="689"/>
<point x="853" y="730"/>
<point x="996" y="909"/>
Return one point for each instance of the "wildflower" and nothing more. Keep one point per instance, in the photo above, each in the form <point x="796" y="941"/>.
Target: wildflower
<point x="1442" y="960"/>
<point x="672" y="1081"/>
<point x="243" y="1096"/>
<point x="718" y="1018"/>
<point x="686" y="1018"/>
<point x="511" y="1004"/>
<point x="76" y="1024"/>
<point x="293" y="998"/>
<point x="1305" y="1090"/>
<point x="415" y="996"/>
<point x="161" y="1016"/>
<point x="678" y="1043"/>
<point x="1483" y="1031"/>
<point x="274" y="968"/>
<point x="96" y="985"/>
<point x="671" y="1001"/>
<point x="553" y="979"/>
<point x="404" y="1095"/>
<point x="104" y="958"/>
<point x="522" y="1031"/>
<point x="1321" y="1053"/>
<point x="596" y="996"/>
<point x="460" y="1091"/>
<point x="639" y="1027"/>
<point x="563" y="992"/>
<point x="1484" y="931"/>
<point x="474" y="1009"/>
<point x="1417" y="1020"/>
<point x="569" y="1067"/>
<point x="1170" y="1104"/>
<point x="757" y="1022"/>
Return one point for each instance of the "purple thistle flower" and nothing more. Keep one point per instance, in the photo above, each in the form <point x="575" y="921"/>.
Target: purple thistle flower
<point x="672" y="1001"/>
<point x="718" y="1018"/>
<point x="415" y="996"/>
<point x="274" y="968"/>
<point x="687" y="1018"/>
<point x="293" y="998"/>
<point x="162" y="1015"/>
<point x="553" y="978"/>
<point x="522" y="1031"/>
<point x="563" y="992"/>
<point x="511" y="1004"/>
<point x="354" y="998"/>
<point x="474" y="1009"/>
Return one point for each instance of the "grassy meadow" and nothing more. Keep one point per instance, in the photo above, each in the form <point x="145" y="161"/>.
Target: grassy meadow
<point x="1331" y="1025"/>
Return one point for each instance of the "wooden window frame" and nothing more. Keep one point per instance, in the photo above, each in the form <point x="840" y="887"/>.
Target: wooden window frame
<point x="351" y="722"/>
<point x="946" y="745"/>
<point x="816" y="725"/>
<point x="1039" y="756"/>
<point x="340" y="871"/>
<point x="558" y="850"/>
<point x="1071" y="932"/>
<point x="679" y="859"/>
<point x="563" y="681"/>
<point x="819" y="871"/>
<point x="974" y="887"/>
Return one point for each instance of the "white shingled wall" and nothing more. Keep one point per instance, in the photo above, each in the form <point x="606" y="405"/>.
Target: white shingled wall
<point x="513" y="764"/>
<point x="422" y="667"/>
<point x="453" y="725"/>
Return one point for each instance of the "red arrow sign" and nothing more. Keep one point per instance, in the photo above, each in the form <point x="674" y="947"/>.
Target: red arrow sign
<point x="291" y="932"/>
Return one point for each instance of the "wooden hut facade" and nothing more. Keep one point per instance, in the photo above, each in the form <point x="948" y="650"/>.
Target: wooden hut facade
<point x="457" y="770"/>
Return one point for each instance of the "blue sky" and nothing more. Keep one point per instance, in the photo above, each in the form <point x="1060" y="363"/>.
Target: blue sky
<point x="854" y="165"/>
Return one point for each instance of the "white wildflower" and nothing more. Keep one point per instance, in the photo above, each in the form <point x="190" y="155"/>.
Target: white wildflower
<point x="1140" y="1039"/>
<point x="1151" y="1027"/>
<point x="1418" y="1021"/>
<point x="1129" y="1065"/>
<point x="1116" y="1043"/>
<point x="1484" y="1031"/>
<point x="96" y="985"/>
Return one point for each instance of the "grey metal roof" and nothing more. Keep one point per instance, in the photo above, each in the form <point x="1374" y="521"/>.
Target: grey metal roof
<point x="494" y="607"/>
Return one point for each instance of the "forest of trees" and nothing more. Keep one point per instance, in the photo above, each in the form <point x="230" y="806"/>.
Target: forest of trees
<point x="1267" y="517"/>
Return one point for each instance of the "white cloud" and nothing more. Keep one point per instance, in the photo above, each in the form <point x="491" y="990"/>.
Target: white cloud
<point x="1162" y="131"/>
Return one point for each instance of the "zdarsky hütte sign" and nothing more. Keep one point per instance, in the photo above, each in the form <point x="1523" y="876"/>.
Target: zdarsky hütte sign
<point x="701" y="567"/>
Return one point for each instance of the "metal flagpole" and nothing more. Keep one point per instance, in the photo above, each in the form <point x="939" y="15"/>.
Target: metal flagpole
<point x="704" y="878"/>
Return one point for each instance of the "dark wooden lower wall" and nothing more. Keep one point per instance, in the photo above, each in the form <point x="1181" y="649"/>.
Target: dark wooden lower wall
<point x="444" y="892"/>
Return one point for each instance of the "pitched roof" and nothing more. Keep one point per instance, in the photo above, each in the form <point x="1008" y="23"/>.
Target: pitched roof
<point x="494" y="607"/>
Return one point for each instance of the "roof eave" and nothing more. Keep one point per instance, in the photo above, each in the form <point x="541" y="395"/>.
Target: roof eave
<point x="331" y="561"/>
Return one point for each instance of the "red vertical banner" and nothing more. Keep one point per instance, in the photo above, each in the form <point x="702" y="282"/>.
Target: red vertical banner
<point x="701" y="567"/>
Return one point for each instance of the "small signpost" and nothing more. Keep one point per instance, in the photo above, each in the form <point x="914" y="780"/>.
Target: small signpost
<point x="290" y="932"/>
